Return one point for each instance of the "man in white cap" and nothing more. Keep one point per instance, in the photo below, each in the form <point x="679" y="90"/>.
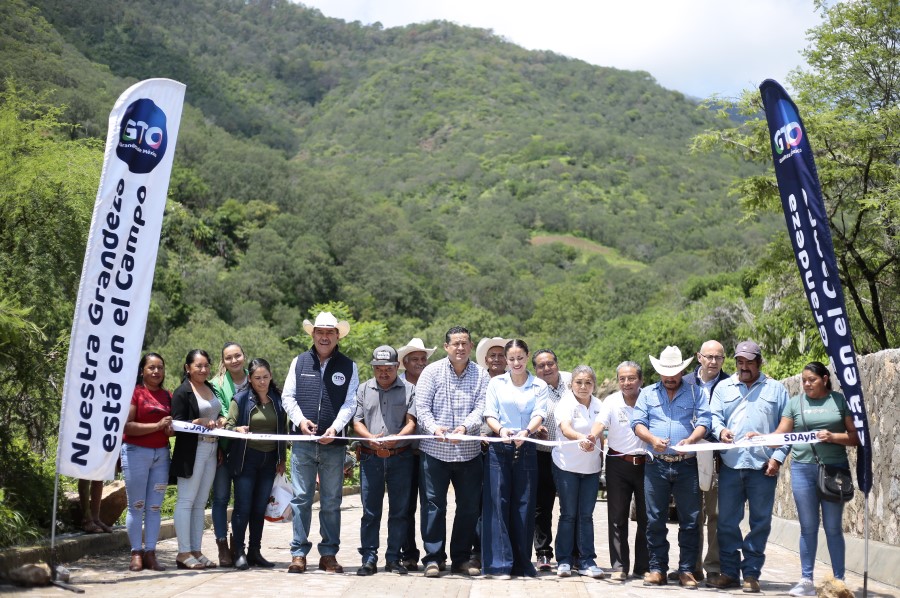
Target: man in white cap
<point x="320" y="399"/>
<point x="667" y="414"/>
<point x="748" y="401"/>
<point x="413" y="359"/>
<point x="385" y="406"/>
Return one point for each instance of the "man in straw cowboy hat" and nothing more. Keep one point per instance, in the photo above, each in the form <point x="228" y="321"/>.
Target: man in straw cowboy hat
<point x="667" y="414"/>
<point x="490" y="355"/>
<point x="320" y="399"/>
<point x="413" y="359"/>
<point x="748" y="401"/>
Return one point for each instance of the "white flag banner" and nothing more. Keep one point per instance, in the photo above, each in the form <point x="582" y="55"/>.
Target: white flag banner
<point x="119" y="262"/>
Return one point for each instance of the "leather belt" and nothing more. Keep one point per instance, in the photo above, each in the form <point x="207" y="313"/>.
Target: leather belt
<point x="674" y="458"/>
<point x="382" y="452"/>
<point x="633" y="459"/>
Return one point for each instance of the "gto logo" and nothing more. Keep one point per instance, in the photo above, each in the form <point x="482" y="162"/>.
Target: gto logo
<point x="338" y="379"/>
<point x="143" y="137"/>
<point x="787" y="136"/>
<point x="142" y="133"/>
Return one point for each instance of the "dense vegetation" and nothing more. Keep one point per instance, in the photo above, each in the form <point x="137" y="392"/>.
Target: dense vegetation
<point x="409" y="179"/>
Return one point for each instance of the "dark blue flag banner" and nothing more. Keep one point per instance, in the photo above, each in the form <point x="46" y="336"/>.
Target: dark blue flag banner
<point x="807" y="223"/>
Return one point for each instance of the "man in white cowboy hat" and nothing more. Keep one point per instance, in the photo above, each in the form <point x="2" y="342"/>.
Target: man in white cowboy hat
<point x="667" y="414"/>
<point x="748" y="401"/>
<point x="320" y="399"/>
<point x="490" y="354"/>
<point x="385" y="406"/>
<point x="413" y="359"/>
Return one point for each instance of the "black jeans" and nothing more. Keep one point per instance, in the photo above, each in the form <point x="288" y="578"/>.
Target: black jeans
<point x="543" y="508"/>
<point x="624" y="480"/>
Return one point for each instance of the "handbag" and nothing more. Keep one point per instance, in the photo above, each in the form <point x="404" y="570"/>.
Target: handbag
<point x="833" y="484"/>
<point x="279" y="508"/>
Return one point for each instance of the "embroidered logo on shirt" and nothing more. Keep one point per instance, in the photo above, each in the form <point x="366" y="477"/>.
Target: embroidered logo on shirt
<point x="338" y="379"/>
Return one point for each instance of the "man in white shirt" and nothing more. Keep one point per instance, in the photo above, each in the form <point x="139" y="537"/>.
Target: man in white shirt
<point x="625" y="458"/>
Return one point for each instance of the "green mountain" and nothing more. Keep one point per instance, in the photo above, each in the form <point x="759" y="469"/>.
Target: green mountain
<point x="402" y="171"/>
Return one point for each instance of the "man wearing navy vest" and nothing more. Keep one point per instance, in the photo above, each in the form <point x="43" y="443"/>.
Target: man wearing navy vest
<point x="320" y="400"/>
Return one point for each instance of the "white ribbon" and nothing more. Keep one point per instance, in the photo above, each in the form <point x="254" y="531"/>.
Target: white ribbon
<point x="180" y="426"/>
<point x="762" y="440"/>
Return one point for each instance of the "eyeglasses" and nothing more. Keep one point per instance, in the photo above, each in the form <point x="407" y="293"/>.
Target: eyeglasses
<point x="712" y="357"/>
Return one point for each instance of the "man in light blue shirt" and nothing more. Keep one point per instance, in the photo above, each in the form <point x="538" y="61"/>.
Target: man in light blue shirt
<point x="669" y="413"/>
<point x="749" y="401"/>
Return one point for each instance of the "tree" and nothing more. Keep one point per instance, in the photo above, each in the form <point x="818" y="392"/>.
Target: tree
<point x="850" y="102"/>
<point x="47" y="192"/>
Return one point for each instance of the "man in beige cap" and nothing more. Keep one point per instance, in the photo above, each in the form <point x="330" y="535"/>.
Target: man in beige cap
<point x="320" y="399"/>
<point x="413" y="359"/>
<point x="667" y="414"/>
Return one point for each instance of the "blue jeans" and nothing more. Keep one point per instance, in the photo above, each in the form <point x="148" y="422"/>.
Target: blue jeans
<point x="221" y="496"/>
<point x="193" y="494"/>
<point x="680" y="479"/>
<point x="396" y="473"/>
<point x="509" y="496"/>
<point x="437" y="476"/>
<point x="736" y="487"/>
<point x="308" y="460"/>
<point x="252" y="488"/>
<point x="803" y="484"/>
<point x="146" y="473"/>
<point x="410" y="552"/>
<point x="577" y="498"/>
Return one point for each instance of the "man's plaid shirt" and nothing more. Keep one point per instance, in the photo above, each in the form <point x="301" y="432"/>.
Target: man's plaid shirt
<point x="445" y="399"/>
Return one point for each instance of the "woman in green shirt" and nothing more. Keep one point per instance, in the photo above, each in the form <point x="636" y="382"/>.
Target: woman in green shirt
<point x="818" y="408"/>
<point x="254" y="463"/>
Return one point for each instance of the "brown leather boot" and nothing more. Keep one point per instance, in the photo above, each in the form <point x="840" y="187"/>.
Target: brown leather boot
<point x="225" y="559"/>
<point x="137" y="561"/>
<point x="150" y="562"/>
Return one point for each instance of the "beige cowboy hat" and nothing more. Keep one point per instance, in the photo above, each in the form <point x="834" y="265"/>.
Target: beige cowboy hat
<point x="484" y="346"/>
<point x="326" y="319"/>
<point x="416" y="344"/>
<point x="670" y="362"/>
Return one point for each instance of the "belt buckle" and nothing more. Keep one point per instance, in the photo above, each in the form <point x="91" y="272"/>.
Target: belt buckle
<point x="383" y="453"/>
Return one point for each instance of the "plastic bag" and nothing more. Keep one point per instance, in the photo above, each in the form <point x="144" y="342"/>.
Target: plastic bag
<point x="279" y="508"/>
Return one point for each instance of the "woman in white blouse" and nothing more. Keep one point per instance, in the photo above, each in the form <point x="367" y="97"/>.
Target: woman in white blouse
<point x="576" y="471"/>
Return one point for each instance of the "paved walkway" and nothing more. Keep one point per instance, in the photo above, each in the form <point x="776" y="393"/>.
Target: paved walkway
<point x="108" y="575"/>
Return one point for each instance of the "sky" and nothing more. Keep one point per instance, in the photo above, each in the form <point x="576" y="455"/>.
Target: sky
<point x="697" y="47"/>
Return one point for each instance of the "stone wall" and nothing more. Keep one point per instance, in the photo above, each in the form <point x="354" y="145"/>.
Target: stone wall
<point x="880" y="375"/>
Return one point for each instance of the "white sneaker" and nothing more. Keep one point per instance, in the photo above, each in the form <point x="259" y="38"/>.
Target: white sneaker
<point x="806" y="587"/>
<point x="564" y="570"/>
<point x="500" y="576"/>
<point x="618" y="576"/>
<point x="592" y="571"/>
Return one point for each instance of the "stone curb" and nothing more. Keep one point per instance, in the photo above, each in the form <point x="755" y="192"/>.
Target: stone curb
<point x="71" y="547"/>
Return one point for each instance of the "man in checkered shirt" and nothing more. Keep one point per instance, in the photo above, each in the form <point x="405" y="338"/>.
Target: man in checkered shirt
<point x="450" y="400"/>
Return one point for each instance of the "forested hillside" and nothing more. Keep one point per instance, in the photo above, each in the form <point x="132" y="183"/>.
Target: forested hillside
<point x="412" y="178"/>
